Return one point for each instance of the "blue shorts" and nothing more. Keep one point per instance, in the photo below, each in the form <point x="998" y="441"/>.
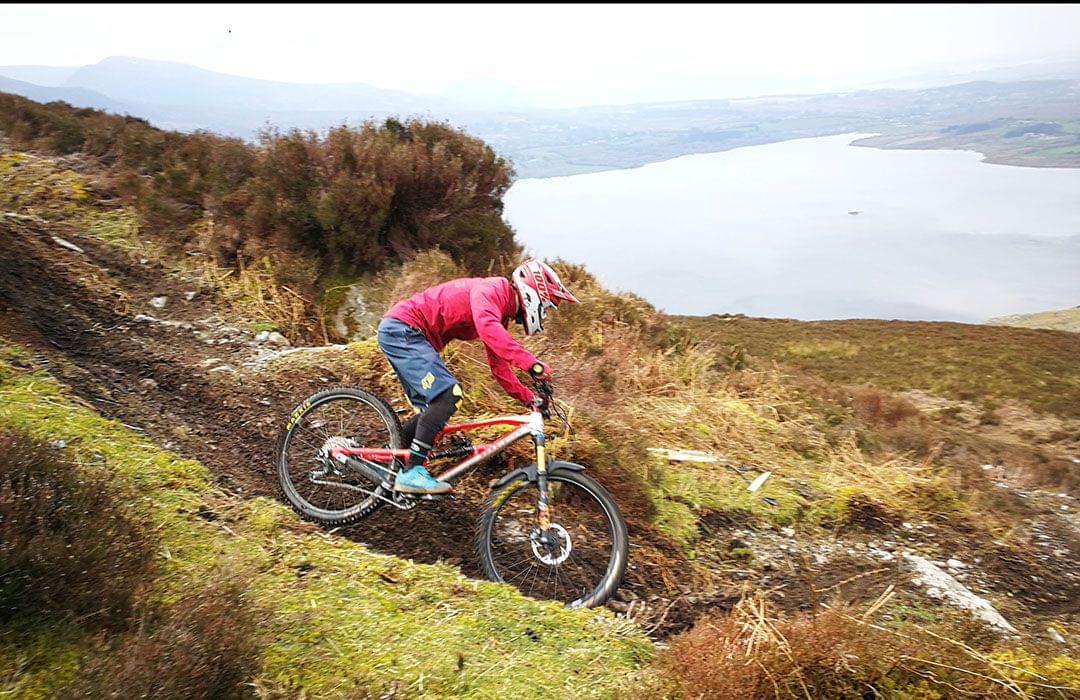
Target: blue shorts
<point x="419" y="368"/>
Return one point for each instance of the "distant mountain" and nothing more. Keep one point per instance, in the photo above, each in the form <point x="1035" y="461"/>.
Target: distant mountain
<point x="48" y="76"/>
<point x="78" y="97"/>
<point x="549" y="142"/>
<point x="1063" y="320"/>
<point x="1055" y="70"/>
<point x="137" y="80"/>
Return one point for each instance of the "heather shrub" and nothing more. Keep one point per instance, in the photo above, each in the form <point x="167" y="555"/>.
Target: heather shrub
<point x="205" y="645"/>
<point x="354" y="199"/>
<point x="882" y="408"/>
<point x="366" y="196"/>
<point x="68" y="543"/>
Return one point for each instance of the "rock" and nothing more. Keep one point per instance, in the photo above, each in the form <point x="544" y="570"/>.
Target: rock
<point x="940" y="584"/>
<point x="144" y="318"/>
<point x="353" y="319"/>
<point x="56" y="444"/>
<point x="278" y="339"/>
<point x="70" y="246"/>
<point x="188" y="296"/>
<point x="262" y="336"/>
<point x="269" y="356"/>
<point x="148" y="384"/>
<point x="1055" y="635"/>
<point x="787" y="531"/>
<point x="955" y="564"/>
<point x="159" y="302"/>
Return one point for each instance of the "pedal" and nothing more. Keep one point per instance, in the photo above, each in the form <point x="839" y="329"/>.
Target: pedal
<point x="437" y="497"/>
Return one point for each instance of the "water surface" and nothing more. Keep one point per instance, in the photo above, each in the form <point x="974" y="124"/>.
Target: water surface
<point x="817" y="229"/>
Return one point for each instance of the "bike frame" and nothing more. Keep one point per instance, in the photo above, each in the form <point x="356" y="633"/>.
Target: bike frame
<point x="531" y="424"/>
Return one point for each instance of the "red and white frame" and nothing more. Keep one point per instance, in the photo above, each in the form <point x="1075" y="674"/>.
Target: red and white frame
<point x="524" y="426"/>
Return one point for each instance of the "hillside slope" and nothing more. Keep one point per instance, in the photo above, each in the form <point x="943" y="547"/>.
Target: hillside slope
<point x="340" y="619"/>
<point x="1062" y="320"/>
<point x="899" y="453"/>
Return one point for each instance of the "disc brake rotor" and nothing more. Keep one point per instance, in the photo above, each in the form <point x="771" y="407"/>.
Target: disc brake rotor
<point x="544" y="553"/>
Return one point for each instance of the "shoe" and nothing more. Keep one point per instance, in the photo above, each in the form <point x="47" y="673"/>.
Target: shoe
<point x="418" y="480"/>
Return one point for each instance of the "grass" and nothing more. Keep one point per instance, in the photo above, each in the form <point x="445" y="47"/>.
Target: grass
<point x="1062" y="320"/>
<point x="72" y="548"/>
<point x="954" y="360"/>
<point x="40" y="188"/>
<point x="632" y="380"/>
<point x="821" y="348"/>
<point x="340" y="618"/>
<point x="753" y="652"/>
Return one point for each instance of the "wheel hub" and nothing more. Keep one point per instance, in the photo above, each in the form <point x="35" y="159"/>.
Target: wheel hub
<point x="334" y="443"/>
<point x="552" y="547"/>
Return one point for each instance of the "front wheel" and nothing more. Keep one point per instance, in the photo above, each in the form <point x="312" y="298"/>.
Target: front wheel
<point x="579" y="561"/>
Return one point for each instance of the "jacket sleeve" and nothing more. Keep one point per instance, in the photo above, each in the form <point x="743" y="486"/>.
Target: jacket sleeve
<point x="503" y="352"/>
<point x="504" y="374"/>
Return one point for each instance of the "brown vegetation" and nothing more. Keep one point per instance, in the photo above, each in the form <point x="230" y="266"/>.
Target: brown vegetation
<point x="753" y="652"/>
<point x="205" y="645"/>
<point x="346" y="202"/>
<point x="954" y="360"/>
<point x="69" y="544"/>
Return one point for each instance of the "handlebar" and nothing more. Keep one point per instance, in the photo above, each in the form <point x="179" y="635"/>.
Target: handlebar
<point x="544" y="389"/>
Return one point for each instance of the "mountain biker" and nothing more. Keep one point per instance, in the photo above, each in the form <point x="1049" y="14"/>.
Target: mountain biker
<point x="413" y="331"/>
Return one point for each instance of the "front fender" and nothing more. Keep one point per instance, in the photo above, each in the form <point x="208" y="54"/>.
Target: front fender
<point x="529" y="472"/>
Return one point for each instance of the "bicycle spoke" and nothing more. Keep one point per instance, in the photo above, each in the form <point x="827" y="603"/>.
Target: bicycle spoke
<point x="549" y="571"/>
<point x="342" y="418"/>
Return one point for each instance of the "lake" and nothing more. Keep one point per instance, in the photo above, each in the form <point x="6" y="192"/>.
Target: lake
<point x="818" y="229"/>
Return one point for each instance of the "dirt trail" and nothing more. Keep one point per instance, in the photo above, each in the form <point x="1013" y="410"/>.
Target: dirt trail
<point x="79" y="311"/>
<point x="179" y="375"/>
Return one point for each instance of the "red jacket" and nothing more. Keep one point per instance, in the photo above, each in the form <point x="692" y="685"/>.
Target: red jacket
<point x="469" y="308"/>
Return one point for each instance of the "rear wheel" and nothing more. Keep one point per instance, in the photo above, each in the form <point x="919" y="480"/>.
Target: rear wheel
<point x="318" y="487"/>
<point x="581" y="559"/>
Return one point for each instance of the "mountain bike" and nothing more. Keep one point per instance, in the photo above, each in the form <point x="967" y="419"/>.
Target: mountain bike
<point x="547" y="528"/>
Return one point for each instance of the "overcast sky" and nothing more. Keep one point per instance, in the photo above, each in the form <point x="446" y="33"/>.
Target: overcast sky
<point x="556" y="55"/>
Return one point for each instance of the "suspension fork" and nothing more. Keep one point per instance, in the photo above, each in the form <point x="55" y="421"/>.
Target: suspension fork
<point x="543" y="510"/>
